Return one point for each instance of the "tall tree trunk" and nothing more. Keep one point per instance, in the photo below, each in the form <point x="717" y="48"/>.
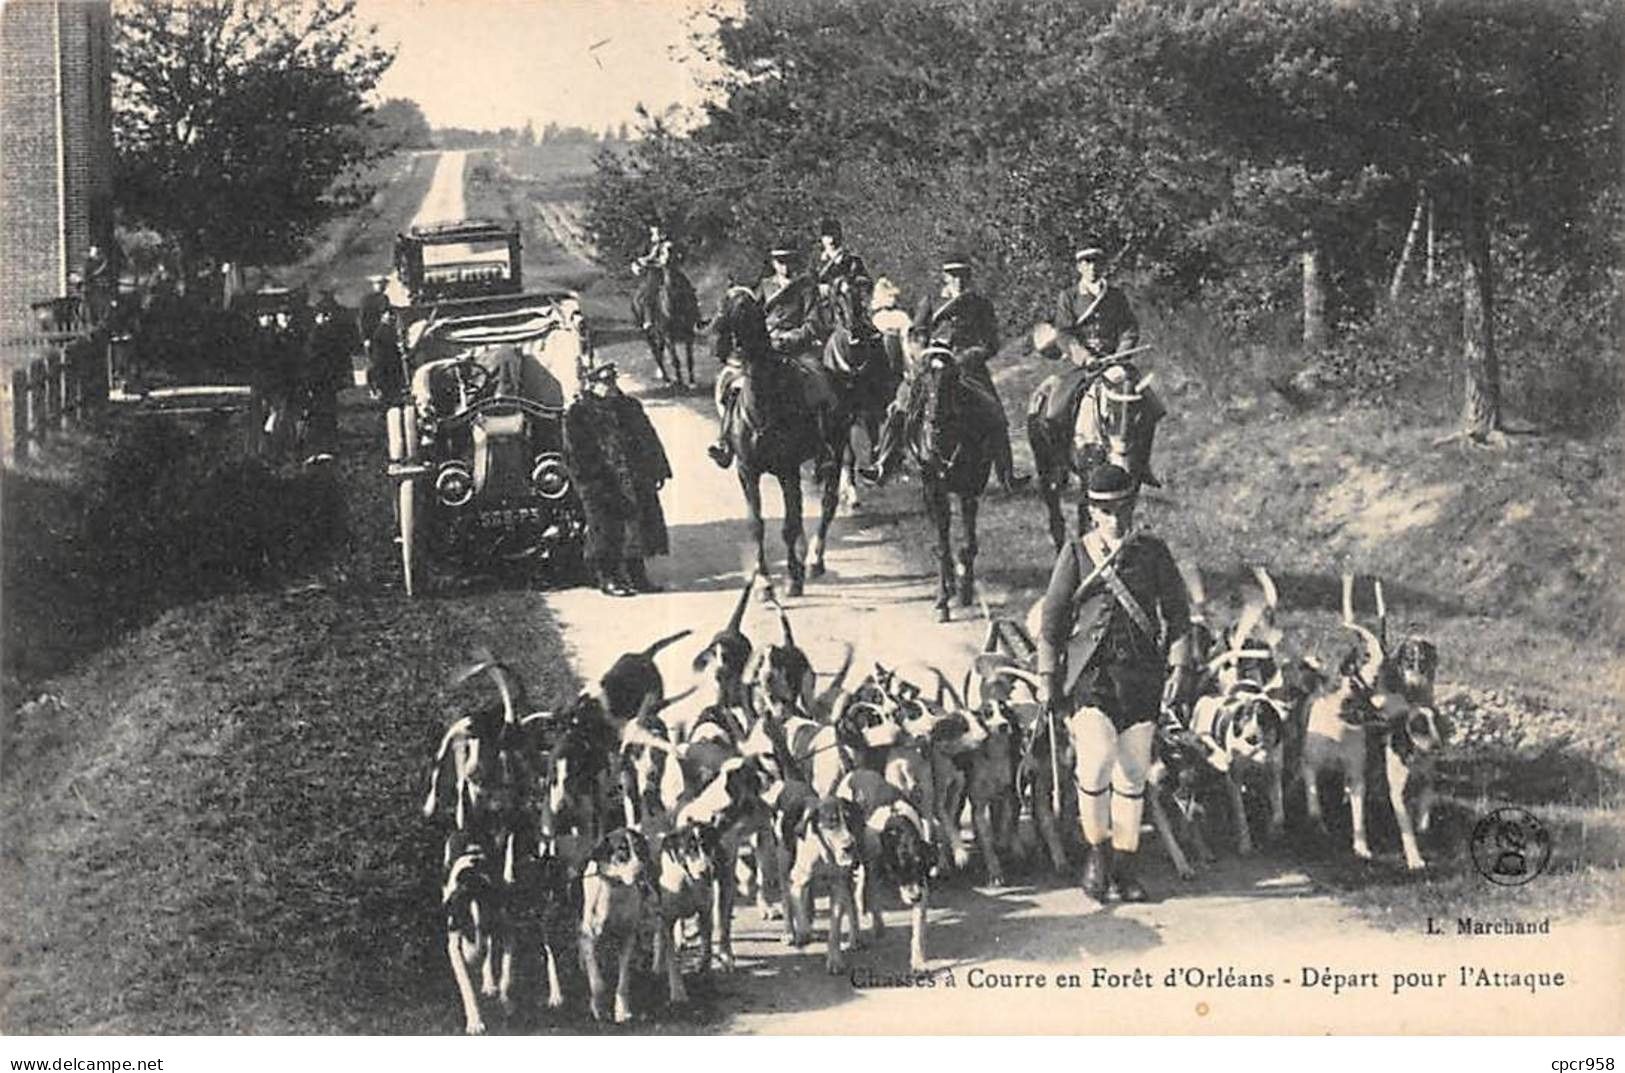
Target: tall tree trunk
<point x="1431" y="275"/>
<point x="1314" y="296"/>
<point x="1398" y="281"/>
<point x="1481" y="408"/>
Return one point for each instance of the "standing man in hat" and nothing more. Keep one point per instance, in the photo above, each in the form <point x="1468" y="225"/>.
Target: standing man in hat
<point x="373" y="311"/>
<point x="789" y="300"/>
<point x="619" y="467"/>
<point x="1093" y="323"/>
<point x="964" y="322"/>
<point x="1114" y="644"/>
<point x="332" y="341"/>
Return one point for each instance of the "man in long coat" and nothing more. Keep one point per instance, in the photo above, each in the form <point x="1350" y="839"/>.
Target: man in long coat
<point x="333" y="340"/>
<point x="619" y="467"/>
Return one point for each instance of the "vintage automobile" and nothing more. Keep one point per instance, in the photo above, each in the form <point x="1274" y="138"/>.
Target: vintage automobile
<point x="477" y="447"/>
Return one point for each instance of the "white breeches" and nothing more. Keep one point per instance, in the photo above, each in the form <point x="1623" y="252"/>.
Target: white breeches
<point x="1110" y="773"/>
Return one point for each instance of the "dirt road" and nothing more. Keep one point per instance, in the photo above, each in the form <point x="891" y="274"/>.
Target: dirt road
<point x="998" y="955"/>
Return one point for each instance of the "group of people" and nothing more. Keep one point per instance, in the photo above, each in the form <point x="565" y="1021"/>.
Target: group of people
<point x="1093" y="320"/>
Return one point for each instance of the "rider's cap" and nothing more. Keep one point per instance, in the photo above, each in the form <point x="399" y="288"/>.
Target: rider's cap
<point x="1089" y="253"/>
<point x="602" y="371"/>
<point x="955" y="261"/>
<point x="1110" y="484"/>
<point x="830" y="226"/>
<point x="784" y="250"/>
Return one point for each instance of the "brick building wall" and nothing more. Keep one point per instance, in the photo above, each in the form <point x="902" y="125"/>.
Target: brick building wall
<point x="56" y="147"/>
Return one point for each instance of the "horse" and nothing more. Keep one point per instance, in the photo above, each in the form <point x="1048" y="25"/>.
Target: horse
<point x="668" y="313"/>
<point x="1106" y="424"/>
<point x="952" y="443"/>
<point x="865" y="368"/>
<point x="773" y="431"/>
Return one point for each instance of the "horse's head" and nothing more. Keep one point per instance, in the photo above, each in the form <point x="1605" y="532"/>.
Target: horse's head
<point x="849" y="307"/>
<point x="1114" y="415"/>
<point x="740" y="325"/>
<point x="940" y="413"/>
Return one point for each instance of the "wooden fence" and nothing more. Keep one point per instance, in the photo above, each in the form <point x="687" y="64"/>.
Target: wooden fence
<point x="48" y="383"/>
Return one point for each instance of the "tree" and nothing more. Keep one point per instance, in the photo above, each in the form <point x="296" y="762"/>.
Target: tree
<point x="400" y="124"/>
<point x="239" y="125"/>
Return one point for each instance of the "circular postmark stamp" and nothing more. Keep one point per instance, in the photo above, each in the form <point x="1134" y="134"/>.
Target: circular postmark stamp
<point x="1510" y="847"/>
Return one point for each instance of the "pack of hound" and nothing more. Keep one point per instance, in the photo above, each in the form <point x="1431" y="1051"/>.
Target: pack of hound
<point x="633" y="825"/>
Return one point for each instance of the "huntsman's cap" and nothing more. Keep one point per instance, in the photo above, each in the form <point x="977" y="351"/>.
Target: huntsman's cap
<point x="1110" y="484"/>
<point x="956" y="261"/>
<point x="784" y="250"/>
<point x="602" y="371"/>
<point x="1089" y="253"/>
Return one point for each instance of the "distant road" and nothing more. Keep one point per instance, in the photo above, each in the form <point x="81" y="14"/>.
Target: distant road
<point x="445" y="197"/>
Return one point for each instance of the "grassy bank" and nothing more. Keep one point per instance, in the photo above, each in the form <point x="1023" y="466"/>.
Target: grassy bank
<point x="219" y="712"/>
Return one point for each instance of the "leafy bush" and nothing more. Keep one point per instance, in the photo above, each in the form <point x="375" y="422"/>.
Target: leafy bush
<point x="152" y="516"/>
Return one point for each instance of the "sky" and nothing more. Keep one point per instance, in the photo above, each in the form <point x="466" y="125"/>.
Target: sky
<point x="496" y="63"/>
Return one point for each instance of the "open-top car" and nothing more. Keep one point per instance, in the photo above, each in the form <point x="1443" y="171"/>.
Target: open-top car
<point x="477" y="448"/>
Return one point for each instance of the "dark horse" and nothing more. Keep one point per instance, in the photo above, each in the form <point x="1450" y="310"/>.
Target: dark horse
<point x="1109" y="418"/>
<point x="864" y="367"/>
<point x="666" y="310"/>
<point x="953" y="446"/>
<point x="774" y="431"/>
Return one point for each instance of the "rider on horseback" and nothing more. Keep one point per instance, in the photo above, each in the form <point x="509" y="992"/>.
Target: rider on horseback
<point x="836" y="263"/>
<point x="789" y="302"/>
<point x="1093" y="323"/>
<point x="658" y="268"/>
<point x="965" y="323"/>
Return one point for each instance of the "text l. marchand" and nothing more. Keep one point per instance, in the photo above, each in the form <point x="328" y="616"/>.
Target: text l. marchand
<point x="1503" y="926"/>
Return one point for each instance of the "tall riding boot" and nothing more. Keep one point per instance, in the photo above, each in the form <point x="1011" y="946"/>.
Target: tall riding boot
<point x="891" y="447"/>
<point x="1096" y="870"/>
<point x="1125" y="877"/>
<point x="1004" y="465"/>
<point x="720" y="450"/>
<point x="1141" y="460"/>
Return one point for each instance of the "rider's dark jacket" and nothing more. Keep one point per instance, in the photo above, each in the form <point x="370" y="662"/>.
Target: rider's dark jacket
<point x="1093" y="645"/>
<point x="791" y="312"/>
<point x="844" y="265"/>
<point x="1103" y="323"/>
<point x="967" y="325"/>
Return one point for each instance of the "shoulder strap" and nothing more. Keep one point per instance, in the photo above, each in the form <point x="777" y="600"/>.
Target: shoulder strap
<point x="1089" y="545"/>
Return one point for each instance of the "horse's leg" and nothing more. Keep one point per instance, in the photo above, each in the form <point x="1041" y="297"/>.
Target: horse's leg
<point x="968" y="503"/>
<point x="750" y="482"/>
<point x="794" y="537"/>
<point x="1051" y="477"/>
<point x="688" y="351"/>
<point x="941" y="515"/>
<point x="829" y="503"/>
<point x="657" y="347"/>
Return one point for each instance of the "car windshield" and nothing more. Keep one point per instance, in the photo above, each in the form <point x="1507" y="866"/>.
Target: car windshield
<point x="477" y="259"/>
